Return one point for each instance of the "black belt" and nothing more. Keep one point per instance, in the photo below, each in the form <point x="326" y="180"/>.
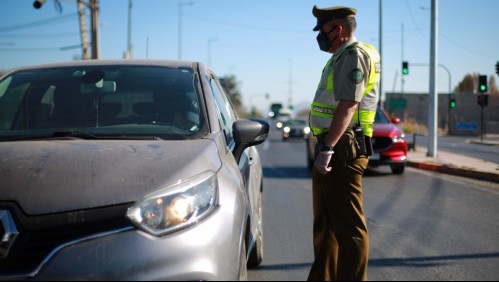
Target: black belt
<point x="321" y="138"/>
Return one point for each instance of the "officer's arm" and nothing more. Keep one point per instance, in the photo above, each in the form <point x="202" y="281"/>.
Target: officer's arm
<point x="342" y="118"/>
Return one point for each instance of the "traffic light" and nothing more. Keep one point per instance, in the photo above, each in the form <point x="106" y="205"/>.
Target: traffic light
<point x="497" y="68"/>
<point x="38" y="4"/>
<point x="405" y="68"/>
<point x="453" y="103"/>
<point x="483" y="100"/>
<point x="482" y="83"/>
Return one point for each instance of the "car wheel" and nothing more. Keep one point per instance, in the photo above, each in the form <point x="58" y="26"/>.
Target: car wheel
<point x="243" y="269"/>
<point x="256" y="255"/>
<point x="398" y="168"/>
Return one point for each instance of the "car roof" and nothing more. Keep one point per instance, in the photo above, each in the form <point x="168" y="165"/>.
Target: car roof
<point x="124" y="62"/>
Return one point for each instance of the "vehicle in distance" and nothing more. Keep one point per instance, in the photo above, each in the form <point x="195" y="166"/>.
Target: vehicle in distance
<point x="295" y="128"/>
<point x="127" y="170"/>
<point x="389" y="144"/>
<point x="274" y="110"/>
<point x="284" y="116"/>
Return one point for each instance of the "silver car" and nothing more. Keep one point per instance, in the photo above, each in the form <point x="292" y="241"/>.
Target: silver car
<point x="126" y="170"/>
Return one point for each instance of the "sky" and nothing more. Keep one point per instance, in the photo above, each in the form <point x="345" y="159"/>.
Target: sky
<point x="268" y="45"/>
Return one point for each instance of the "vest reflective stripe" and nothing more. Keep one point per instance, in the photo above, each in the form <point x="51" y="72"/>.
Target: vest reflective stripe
<point x="327" y="113"/>
<point x="324" y="105"/>
<point x="330" y="79"/>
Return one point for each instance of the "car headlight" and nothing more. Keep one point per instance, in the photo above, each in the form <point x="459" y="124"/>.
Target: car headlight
<point x="177" y="206"/>
<point x="286" y="129"/>
<point x="279" y="125"/>
<point x="398" y="138"/>
<point x="306" y="130"/>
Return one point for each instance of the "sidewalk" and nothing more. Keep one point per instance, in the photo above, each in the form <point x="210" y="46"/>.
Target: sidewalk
<point x="456" y="164"/>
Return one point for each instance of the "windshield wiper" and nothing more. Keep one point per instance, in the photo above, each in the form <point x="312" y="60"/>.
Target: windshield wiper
<point x="89" y="136"/>
<point x="75" y="134"/>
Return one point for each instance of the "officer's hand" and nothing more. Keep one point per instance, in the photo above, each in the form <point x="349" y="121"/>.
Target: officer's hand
<point x="322" y="162"/>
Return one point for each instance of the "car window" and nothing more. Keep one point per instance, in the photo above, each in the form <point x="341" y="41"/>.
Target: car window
<point x="380" y="117"/>
<point x="102" y="100"/>
<point x="227" y="114"/>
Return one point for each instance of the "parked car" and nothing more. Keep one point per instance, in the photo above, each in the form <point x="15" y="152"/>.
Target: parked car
<point x="295" y="128"/>
<point x="127" y="170"/>
<point x="389" y="144"/>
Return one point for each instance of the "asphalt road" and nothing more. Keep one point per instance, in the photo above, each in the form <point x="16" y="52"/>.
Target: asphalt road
<point x="423" y="225"/>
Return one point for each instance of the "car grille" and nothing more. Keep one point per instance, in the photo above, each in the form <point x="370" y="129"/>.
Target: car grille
<point x="41" y="235"/>
<point x="381" y="143"/>
<point x="296" y="132"/>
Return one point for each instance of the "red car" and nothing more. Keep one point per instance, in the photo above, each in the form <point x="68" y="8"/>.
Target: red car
<point x="389" y="144"/>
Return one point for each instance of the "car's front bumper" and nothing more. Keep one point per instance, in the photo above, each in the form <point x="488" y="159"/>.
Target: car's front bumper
<point x="206" y="251"/>
<point x="397" y="154"/>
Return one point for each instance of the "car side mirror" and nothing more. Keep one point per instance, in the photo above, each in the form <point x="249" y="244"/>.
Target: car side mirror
<point x="248" y="133"/>
<point x="395" y="120"/>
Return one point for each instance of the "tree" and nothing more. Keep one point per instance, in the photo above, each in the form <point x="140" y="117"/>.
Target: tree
<point x="492" y="85"/>
<point x="469" y="84"/>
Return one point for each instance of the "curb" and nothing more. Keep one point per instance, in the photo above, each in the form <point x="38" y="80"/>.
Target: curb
<point x="479" y="175"/>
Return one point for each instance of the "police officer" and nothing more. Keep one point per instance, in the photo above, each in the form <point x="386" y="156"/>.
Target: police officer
<point x="347" y="95"/>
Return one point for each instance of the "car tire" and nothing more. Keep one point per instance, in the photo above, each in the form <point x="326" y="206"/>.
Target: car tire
<point x="398" y="168"/>
<point x="243" y="269"/>
<point x="256" y="255"/>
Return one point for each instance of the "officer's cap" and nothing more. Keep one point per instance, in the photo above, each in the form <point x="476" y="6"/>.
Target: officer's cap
<point x="327" y="14"/>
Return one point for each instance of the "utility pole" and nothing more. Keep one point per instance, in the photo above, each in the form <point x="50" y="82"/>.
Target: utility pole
<point x="83" y="30"/>
<point x="433" y="97"/>
<point x="94" y="7"/>
<point x="290" y="84"/>
<point x="381" y="97"/>
<point x="129" y="49"/>
<point x="402" y="46"/>
<point x="180" y="27"/>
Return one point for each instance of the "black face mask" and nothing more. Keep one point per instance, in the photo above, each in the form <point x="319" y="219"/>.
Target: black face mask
<point x="323" y="40"/>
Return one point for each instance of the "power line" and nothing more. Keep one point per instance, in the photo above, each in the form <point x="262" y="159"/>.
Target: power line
<point x="30" y="49"/>
<point x="37" y="23"/>
<point x="466" y="48"/>
<point x="67" y="34"/>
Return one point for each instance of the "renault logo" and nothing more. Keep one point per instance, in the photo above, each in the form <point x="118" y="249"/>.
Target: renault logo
<point x="8" y="233"/>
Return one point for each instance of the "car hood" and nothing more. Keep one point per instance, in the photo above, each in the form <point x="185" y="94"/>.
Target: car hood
<point x="45" y="177"/>
<point x="386" y="130"/>
<point x="298" y="127"/>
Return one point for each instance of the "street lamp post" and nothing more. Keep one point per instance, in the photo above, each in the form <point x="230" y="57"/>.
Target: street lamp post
<point x="180" y="26"/>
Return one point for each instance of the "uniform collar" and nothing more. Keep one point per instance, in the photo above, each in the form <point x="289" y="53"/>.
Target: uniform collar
<point x="343" y="47"/>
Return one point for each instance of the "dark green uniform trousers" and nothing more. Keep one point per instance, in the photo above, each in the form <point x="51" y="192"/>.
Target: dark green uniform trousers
<point x="341" y="243"/>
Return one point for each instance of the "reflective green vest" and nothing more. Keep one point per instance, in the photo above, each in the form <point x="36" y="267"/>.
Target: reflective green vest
<point x="325" y="103"/>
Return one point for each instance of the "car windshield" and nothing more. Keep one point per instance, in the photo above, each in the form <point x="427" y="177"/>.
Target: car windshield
<point x="296" y="122"/>
<point x="101" y="101"/>
<point x="380" y="117"/>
